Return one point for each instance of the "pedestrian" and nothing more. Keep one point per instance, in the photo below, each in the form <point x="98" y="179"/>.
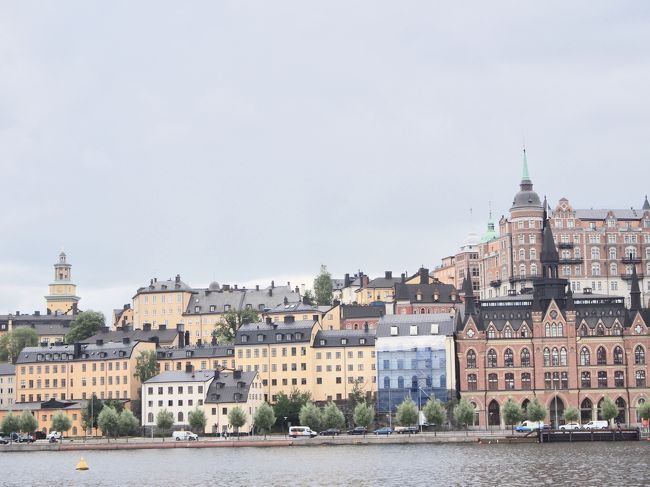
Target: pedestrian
<point x="618" y="425"/>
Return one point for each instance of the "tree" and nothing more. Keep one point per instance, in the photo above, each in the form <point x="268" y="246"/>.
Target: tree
<point x="323" y="287"/>
<point x="332" y="417"/>
<point x="61" y="423"/>
<point x="464" y="413"/>
<point x="146" y="366"/>
<point x="237" y="418"/>
<point x="407" y="413"/>
<point x="90" y="413"/>
<point x="115" y="404"/>
<point x="512" y="413"/>
<point x="608" y="409"/>
<point x="264" y="418"/>
<point x="12" y="343"/>
<point x="109" y="422"/>
<point x="536" y="412"/>
<point x="127" y="423"/>
<point x="11" y="424"/>
<point x="197" y="421"/>
<point x="85" y="325"/>
<point x="363" y="414"/>
<point x="308" y="297"/>
<point x="164" y="421"/>
<point x="226" y="330"/>
<point x="571" y="414"/>
<point x="289" y="406"/>
<point x="310" y="416"/>
<point x="643" y="409"/>
<point x="435" y="412"/>
<point x="28" y="422"/>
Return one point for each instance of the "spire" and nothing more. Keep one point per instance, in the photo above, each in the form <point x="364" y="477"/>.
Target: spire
<point x="549" y="252"/>
<point x="526" y="183"/>
<point x="525" y="176"/>
<point x="635" y="291"/>
<point x="468" y="291"/>
<point x="646" y="204"/>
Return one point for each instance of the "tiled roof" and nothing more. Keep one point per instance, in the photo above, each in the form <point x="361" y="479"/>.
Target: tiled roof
<point x="170" y="285"/>
<point x="352" y="311"/>
<point x="627" y="214"/>
<point x="164" y="336"/>
<point x="220" y="301"/>
<point x="66" y="352"/>
<point x="207" y="351"/>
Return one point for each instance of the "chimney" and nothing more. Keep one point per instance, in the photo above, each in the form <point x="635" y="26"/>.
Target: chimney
<point x="162" y="327"/>
<point x="77" y="350"/>
<point x="257" y="287"/>
<point x="271" y="291"/>
<point x="289" y="319"/>
<point x="146" y="326"/>
<point x="235" y="287"/>
<point x="403" y="277"/>
<point x="346" y="280"/>
<point x="236" y="374"/>
<point x="289" y="284"/>
<point x="126" y="306"/>
<point x="389" y="274"/>
<point x="187" y="338"/>
<point x="272" y="284"/>
<point x="178" y="279"/>
<point x="37" y="313"/>
<point x="216" y="374"/>
<point x="126" y="340"/>
<point x="297" y="290"/>
<point x="99" y="342"/>
<point x="269" y="320"/>
<point x="189" y="368"/>
<point x="226" y="287"/>
<point x="424" y="275"/>
<point x="17" y="313"/>
<point x="155" y="279"/>
<point x="364" y="281"/>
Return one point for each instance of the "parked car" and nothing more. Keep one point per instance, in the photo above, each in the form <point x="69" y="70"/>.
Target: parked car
<point x="330" y="432"/>
<point x="185" y="436"/>
<point x="359" y="430"/>
<point x="25" y="439"/>
<point x="296" y="431"/>
<point x="528" y="426"/>
<point x="384" y="431"/>
<point x="53" y="434"/>
<point x="596" y="425"/>
<point x="4" y="440"/>
<point x="570" y="426"/>
<point x="404" y="430"/>
<point x="38" y="435"/>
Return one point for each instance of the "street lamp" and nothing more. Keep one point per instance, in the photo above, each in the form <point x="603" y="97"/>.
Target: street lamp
<point x="285" y="420"/>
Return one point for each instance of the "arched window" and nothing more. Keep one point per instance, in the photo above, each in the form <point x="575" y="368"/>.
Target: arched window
<point x="491" y="332"/>
<point x="583" y="332"/>
<point x="150" y="418"/>
<point x="619" y="381"/>
<point x="493" y="382"/>
<point x="400" y="382"/>
<point x="601" y="356"/>
<point x="616" y="330"/>
<point x="560" y="330"/>
<point x="522" y="256"/>
<point x="386" y="382"/>
<point x="640" y="378"/>
<point x="595" y="269"/>
<point x="630" y="252"/>
<point x="547" y="330"/>
<point x="612" y="253"/>
<point x="533" y="268"/>
<point x="533" y="254"/>
<point x="618" y="356"/>
<point x="414" y="382"/>
<point x="525" y="380"/>
<point x="522" y="270"/>
<point x="525" y="357"/>
<point x="491" y="358"/>
<point x="600" y="330"/>
<point x="508" y="359"/>
<point x="547" y="357"/>
<point x="586" y="411"/>
<point x="613" y="269"/>
<point x="639" y="403"/>
<point x="553" y="330"/>
<point x="507" y="332"/>
<point x="471" y="359"/>
<point x="595" y="253"/>
<point x="510" y="381"/>
<point x="555" y="357"/>
<point x="602" y="378"/>
<point x="639" y="355"/>
<point x="584" y="356"/>
<point x="585" y="380"/>
<point x="180" y="416"/>
<point x="563" y="357"/>
<point x="471" y="382"/>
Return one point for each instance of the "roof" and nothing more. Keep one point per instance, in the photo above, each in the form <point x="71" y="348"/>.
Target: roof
<point x="230" y="387"/>
<point x="167" y="336"/>
<point x="549" y="251"/>
<point x="410" y="292"/>
<point x="38" y="405"/>
<point x="526" y="197"/>
<point x="384" y="282"/>
<point x="445" y="322"/>
<point x="220" y="301"/>
<point x="207" y="351"/>
<point x="298" y="307"/>
<point x="353" y="338"/>
<point x="168" y="286"/>
<point x="352" y="311"/>
<point x="601" y="214"/>
<point x="65" y="353"/>
<point x="7" y="369"/>
<point x="43" y="325"/>
<point x="182" y="376"/>
<point x="277" y="332"/>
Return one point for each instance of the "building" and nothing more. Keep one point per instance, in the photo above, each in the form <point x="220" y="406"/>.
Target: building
<point x="45" y="411"/>
<point x="424" y="296"/>
<point x="345" y="290"/>
<point x="122" y="317"/>
<point x="62" y="297"/>
<point x="161" y="303"/>
<point x="379" y="290"/>
<point x="297" y="311"/>
<point x="7" y="385"/>
<point x="204" y="357"/>
<point x="50" y="328"/>
<point x="77" y="371"/>
<point x="415" y="358"/>
<point x="359" y="317"/>
<point x="562" y="347"/>
<point x="161" y="337"/>
<point x="446" y="271"/>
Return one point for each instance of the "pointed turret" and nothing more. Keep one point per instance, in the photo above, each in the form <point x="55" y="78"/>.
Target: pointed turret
<point x="635" y="291"/>
<point x="646" y="204"/>
<point x="468" y="294"/>
<point x="526" y="197"/>
<point x="550" y="258"/>
<point x="570" y="305"/>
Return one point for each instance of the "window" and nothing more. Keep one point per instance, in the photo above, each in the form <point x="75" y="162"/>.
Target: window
<point x="525" y="380"/>
<point x="510" y="381"/>
<point x="602" y="378"/>
<point x="471" y="359"/>
<point x="491" y="358"/>
<point x="525" y="357"/>
<point x="508" y="358"/>
<point x="640" y="378"/>
<point x="618" y="379"/>
<point x="471" y="382"/>
<point x="555" y="357"/>
<point x="493" y="382"/>
<point x="639" y="355"/>
<point x="547" y="380"/>
<point x="547" y="357"/>
<point x="585" y="380"/>
<point x="601" y="356"/>
<point x="618" y="356"/>
<point x="491" y="332"/>
<point x="584" y="356"/>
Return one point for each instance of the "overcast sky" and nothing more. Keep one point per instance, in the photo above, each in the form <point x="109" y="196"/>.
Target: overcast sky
<point x="246" y="141"/>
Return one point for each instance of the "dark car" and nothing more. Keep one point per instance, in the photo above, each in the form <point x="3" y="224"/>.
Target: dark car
<point x="404" y="430"/>
<point x="359" y="430"/>
<point x="39" y="435"/>
<point x="3" y="440"/>
<point x="330" y="432"/>
<point x="384" y="431"/>
<point x="25" y="439"/>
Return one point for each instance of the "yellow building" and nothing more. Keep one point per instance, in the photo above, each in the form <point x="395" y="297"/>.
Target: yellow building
<point x="62" y="298"/>
<point x="332" y="317"/>
<point x="377" y="290"/>
<point x="73" y="372"/>
<point x="205" y="357"/>
<point x="45" y="411"/>
<point x="343" y="360"/>
<point x="280" y="352"/>
<point x="161" y="303"/>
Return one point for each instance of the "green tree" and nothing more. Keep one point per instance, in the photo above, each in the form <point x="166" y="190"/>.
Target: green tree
<point x="435" y="412"/>
<point x="571" y="414"/>
<point x="127" y="423"/>
<point x="85" y="325"/>
<point x="164" y="421"/>
<point x="12" y="343"/>
<point x="109" y="422"/>
<point x="310" y="416"/>
<point x="146" y="366"/>
<point x="237" y="419"/>
<point x="644" y="410"/>
<point x="512" y="413"/>
<point x="11" y="424"/>
<point x="323" y="287"/>
<point x="28" y="422"/>
<point x="225" y="330"/>
<point x="197" y="421"/>
<point x="308" y="297"/>
<point x="333" y="416"/>
<point x="608" y="409"/>
<point x="536" y="411"/>
<point x="115" y="404"/>
<point x="407" y="413"/>
<point x="363" y="414"/>
<point x="464" y="413"/>
<point x="61" y="423"/>
<point x="90" y="413"/>
<point x="288" y="406"/>
<point x="264" y="418"/>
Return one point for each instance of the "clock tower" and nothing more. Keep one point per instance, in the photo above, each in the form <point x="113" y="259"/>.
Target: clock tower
<point x="62" y="298"/>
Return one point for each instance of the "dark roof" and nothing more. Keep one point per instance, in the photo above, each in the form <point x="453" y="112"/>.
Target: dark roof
<point x="526" y="197"/>
<point x="168" y="286"/>
<point x="410" y="292"/>
<point x="445" y="322"/>
<point x="43" y="325"/>
<point x="352" y="311"/>
<point x="207" y="351"/>
<point x="182" y="376"/>
<point x="549" y="251"/>
<point x="601" y="214"/>
<point x="66" y="352"/>
<point x="7" y="369"/>
<point x="298" y="307"/>
<point x="238" y="299"/>
<point x="38" y="405"/>
<point x="276" y="332"/>
<point x="165" y="337"/>
<point x="384" y="282"/>
<point x="646" y="204"/>
<point x="225" y="387"/>
<point x="333" y="338"/>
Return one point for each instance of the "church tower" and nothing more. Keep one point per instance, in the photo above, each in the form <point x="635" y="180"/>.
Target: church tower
<point x="62" y="298"/>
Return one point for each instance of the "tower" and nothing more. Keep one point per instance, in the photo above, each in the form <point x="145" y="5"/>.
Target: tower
<point x="62" y="298"/>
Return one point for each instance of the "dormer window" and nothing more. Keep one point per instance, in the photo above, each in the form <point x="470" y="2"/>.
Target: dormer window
<point x="434" y="328"/>
<point x="197" y="309"/>
<point x="322" y="342"/>
<point x="244" y="338"/>
<point x="226" y="307"/>
<point x="260" y="338"/>
<point x="418" y="296"/>
<point x="394" y="331"/>
<point x="278" y="337"/>
<point x="213" y="308"/>
<point x="298" y="336"/>
<point x="413" y="330"/>
<point x="362" y="341"/>
<point x="344" y="341"/>
<point x="289" y="337"/>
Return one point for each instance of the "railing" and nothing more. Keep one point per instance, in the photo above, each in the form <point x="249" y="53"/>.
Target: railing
<point x="495" y="283"/>
<point x="631" y="260"/>
<point x="573" y="260"/>
<point x="565" y="245"/>
<point x="629" y="276"/>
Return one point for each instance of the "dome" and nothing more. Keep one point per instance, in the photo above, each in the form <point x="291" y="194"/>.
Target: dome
<point x="526" y="197"/>
<point x="490" y="234"/>
<point x="471" y="241"/>
<point x="214" y="286"/>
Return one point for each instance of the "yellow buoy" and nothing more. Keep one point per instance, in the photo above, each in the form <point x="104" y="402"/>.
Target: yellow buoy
<point x="82" y="465"/>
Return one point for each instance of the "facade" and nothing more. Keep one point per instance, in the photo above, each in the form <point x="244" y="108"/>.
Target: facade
<point x="161" y="303"/>
<point x="358" y="317"/>
<point x="62" y="297"/>
<point x="204" y="357"/>
<point x="379" y="290"/>
<point x="416" y="358"/>
<point x="424" y="296"/>
<point x="7" y="385"/>
<point x="564" y="348"/>
<point x="232" y="389"/>
<point x="446" y="271"/>
<point x="342" y="361"/>
<point x="77" y="371"/>
<point x="50" y="328"/>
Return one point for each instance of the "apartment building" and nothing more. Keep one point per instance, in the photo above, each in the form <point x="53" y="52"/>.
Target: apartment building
<point x="7" y="385"/>
<point x="204" y="357"/>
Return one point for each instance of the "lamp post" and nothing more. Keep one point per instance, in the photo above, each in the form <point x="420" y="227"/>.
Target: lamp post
<point x="555" y="399"/>
<point x="285" y="420"/>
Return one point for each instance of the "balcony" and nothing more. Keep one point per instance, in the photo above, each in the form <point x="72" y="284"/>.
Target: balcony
<point x="573" y="260"/>
<point x="564" y="245"/>
<point x="631" y="260"/>
<point x="528" y="277"/>
<point x="495" y="283"/>
<point x="627" y="277"/>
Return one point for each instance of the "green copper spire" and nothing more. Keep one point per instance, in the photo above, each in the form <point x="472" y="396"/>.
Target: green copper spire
<point x="525" y="176"/>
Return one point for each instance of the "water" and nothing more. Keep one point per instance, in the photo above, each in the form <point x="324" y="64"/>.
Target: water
<point x="578" y="464"/>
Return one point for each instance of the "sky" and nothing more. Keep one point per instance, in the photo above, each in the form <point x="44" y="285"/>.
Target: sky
<point x="248" y="141"/>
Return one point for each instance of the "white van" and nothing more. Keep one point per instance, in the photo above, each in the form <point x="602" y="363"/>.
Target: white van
<point x="184" y="436"/>
<point x="596" y="425"/>
<point x="296" y="431"/>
